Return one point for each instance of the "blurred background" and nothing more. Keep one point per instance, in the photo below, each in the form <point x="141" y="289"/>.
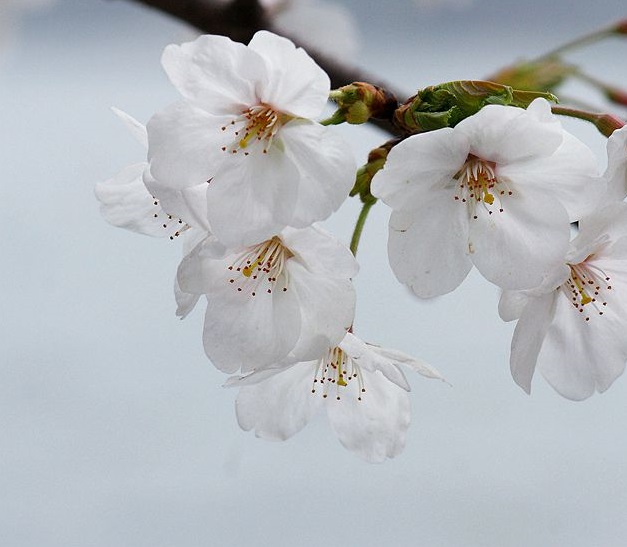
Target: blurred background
<point x="114" y="430"/>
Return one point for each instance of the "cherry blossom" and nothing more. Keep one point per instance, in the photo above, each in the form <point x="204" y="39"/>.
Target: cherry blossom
<point x="127" y="203"/>
<point x="242" y="142"/>
<point x="498" y="191"/>
<point x="287" y="297"/>
<point x="573" y="328"/>
<point x="361" y="386"/>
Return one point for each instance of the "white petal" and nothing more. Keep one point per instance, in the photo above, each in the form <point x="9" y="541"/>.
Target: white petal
<point x="216" y="73"/>
<point x="320" y="252"/>
<point x="185" y="302"/>
<point x="280" y="406"/>
<point x="296" y="84"/>
<point x="428" y="246"/>
<point x="185" y="145"/>
<point x="528" y="337"/>
<point x="416" y="164"/>
<point x="519" y="247"/>
<point x="137" y="129"/>
<point x="616" y="172"/>
<point x="400" y="358"/>
<point x="367" y="358"/>
<point x="375" y="427"/>
<point x="245" y="332"/>
<point x="327" y="310"/>
<point x="578" y="356"/>
<point x="127" y="203"/>
<point x="251" y="198"/>
<point x="188" y="204"/>
<point x="569" y="174"/>
<point x="326" y="168"/>
<point x="608" y="222"/>
<point x="503" y="134"/>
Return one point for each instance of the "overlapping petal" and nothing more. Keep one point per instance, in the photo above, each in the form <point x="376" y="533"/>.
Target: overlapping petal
<point x="574" y="334"/>
<point x="366" y="402"/>
<point x="266" y="303"/>
<point x="495" y="191"/>
<point x="244" y="131"/>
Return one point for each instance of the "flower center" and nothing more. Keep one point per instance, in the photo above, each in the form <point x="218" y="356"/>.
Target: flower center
<point x="337" y="371"/>
<point x="478" y="185"/>
<point x="258" y="124"/>
<point x="261" y="267"/>
<point x="587" y="288"/>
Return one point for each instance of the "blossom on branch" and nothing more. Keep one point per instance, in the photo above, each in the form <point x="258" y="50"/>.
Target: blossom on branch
<point x="286" y="298"/>
<point x="573" y="328"/>
<point x="498" y="191"/>
<point x="243" y="138"/>
<point x="361" y="386"/>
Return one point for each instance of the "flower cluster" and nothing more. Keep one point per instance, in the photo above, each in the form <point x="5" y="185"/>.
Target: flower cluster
<point x="499" y="191"/>
<point x="241" y="171"/>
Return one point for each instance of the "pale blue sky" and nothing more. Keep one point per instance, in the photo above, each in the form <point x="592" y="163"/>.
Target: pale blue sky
<point x="114" y="429"/>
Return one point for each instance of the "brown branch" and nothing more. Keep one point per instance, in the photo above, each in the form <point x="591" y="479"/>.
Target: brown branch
<point x="240" y="19"/>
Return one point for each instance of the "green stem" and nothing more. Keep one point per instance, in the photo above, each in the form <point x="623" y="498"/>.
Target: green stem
<point x="582" y="41"/>
<point x="605" y="123"/>
<point x="359" y="226"/>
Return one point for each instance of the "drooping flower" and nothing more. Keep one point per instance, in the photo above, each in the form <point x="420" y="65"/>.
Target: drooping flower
<point x="574" y="333"/>
<point x="616" y="172"/>
<point x="361" y="386"/>
<point x="242" y="138"/>
<point x="126" y="202"/>
<point x="497" y="191"/>
<point x="287" y="297"/>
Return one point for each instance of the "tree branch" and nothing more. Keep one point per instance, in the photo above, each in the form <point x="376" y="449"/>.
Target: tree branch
<point x="240" y="19"/>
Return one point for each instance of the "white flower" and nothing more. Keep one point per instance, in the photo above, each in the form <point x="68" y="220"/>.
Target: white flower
<point x="361" y="386"/>
<point x="127" y="203"/>
<point x="576" y="334"/>
<point x="616" y="172"/>
<point x="496" y="191"/>
<point x="243" y="141"/>
<point x="288" y="297"/>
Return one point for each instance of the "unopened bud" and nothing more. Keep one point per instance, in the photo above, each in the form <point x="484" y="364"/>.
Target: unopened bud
<point x="605" y="123"/>
<point x="541" y="75"/>
<point x="365" y="174"/>
<point x="621" y="27"/>
<point x="447" y="104"/>
<point x="360" y="101"/>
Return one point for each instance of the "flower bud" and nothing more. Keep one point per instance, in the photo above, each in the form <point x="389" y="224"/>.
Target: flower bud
<point x="360" y="101"/>
<point x="365" y="174"/>
<point x="541" y="75"/>
<point x="447" y="104"/>
<point x="621" y="27"/>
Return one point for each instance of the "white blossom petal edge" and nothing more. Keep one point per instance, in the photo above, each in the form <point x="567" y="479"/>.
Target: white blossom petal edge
<point x="361" y="386"/>
<point x="575" y="333"/>
<point x="497" y="191"/>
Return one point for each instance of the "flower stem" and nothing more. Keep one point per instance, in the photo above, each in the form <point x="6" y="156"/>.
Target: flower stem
<point x="359" y="226"/>
<point x="582" y="41"/>
<point x="605" y="123"/>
